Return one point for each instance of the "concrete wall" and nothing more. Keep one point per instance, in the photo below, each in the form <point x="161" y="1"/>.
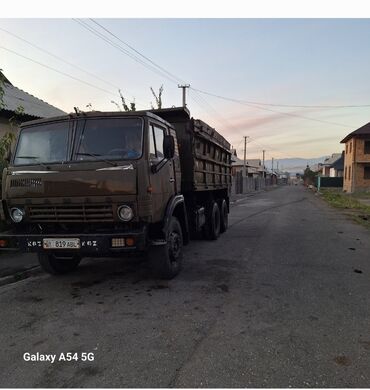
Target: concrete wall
<point x="244" y="185"/>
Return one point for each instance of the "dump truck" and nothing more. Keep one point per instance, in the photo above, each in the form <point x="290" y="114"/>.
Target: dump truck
<point x="112" y="183"/>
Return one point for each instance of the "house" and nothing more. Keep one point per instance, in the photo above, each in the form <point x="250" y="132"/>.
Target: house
<point x="326" y="166"/>
<point x="337" y="167"/>
<point x="16" y="100"/>
<point x="254" y="167"/>
<point x="357" y="160"/>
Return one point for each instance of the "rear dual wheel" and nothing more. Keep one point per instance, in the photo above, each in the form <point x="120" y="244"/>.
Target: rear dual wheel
<point x="217" y="219"/>
<point x="213" y="222"/>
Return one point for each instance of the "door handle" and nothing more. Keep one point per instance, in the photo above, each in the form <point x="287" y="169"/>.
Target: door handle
<point x="172" y="180"/>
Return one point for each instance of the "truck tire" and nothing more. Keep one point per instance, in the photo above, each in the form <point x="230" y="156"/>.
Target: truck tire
<point x="212" y="227"/>
<point x="224" y="216"/>
<point x="57" y="266"/>
<point x="166" y="260"/>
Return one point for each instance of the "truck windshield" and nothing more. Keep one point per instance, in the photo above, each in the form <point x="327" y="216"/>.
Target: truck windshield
<point x="42" y="144"/>
<point x="96" y="139"/>
<point x="109" y="139"/>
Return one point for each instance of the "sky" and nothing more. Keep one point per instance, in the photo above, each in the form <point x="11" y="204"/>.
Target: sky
<point x="276" y="62"/>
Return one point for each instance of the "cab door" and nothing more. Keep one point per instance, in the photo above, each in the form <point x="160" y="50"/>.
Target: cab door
<point x="162" y="179"/>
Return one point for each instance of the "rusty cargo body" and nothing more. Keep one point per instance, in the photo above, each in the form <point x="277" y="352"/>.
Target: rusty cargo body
<point x="205" y="154"/>
<point x="106" y="184"/>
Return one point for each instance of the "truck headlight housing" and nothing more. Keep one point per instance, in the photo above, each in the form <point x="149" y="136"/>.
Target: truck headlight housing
<point x="17" y="214"/>
<point x="125" y="213"/>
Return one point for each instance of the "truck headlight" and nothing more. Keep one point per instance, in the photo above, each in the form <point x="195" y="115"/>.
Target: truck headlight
<point x="125" y="213"/>
<point x="17" y="214"/>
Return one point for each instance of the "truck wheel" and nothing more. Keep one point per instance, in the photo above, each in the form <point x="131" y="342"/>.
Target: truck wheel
<point x="224" y="216"/>
<point x="212" y="227"/>
<point x="55" y="266"/>
<point x="166" y="260"/>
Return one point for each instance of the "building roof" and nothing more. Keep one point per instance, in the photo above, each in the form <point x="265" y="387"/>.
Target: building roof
<point x="364" y="130"/>
<point x="15" y="97"/>
<point x="332" y="159"/>
<point x="339" y="164"/>
<point x="253" y="163"/>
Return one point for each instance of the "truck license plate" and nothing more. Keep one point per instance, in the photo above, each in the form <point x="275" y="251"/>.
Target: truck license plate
<point x="61" y="243"/>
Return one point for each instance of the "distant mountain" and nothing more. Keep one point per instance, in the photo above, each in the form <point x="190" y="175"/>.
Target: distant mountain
<point x="294" y="165"/>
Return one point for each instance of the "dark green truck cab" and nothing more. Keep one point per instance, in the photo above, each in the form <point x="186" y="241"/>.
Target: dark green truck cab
<point x="109" y="183"/>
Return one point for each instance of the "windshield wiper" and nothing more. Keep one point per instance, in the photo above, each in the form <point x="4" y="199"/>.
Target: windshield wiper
<point x="34" y="158"/>
<point x="96" y="156"/>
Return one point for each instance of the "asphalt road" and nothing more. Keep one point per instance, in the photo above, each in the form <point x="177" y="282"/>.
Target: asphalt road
<point x="281" y="299"/>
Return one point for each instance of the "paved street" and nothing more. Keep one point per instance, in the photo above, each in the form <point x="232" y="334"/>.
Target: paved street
<point x="282" y="299"/>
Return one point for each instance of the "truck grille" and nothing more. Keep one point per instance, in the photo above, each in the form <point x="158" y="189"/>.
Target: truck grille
<point x="35" y="182"/>
<point x="71" y="213"/>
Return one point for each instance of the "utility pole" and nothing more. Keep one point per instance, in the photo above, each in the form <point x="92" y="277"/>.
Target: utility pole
<point x="277" y="165"/>
<point x="263" y="163"/>
<point x="184" y="86"/>
<point x="245" y="156"/>
<point x="272" y="165"/>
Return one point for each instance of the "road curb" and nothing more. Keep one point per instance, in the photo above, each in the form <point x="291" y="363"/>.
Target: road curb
<point x="20" y="275"/>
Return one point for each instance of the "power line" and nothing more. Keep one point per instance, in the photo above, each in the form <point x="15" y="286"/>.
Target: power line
<point x="284" y="105"/>
<point x="60" y="58"/>
<point x="66" y="62"/>
<point x="228" y="124"/>
<point x="160" y="71"/>
<point x="124" y="51"/>
<point x="249" y="102"/>
<point x="58" y="71"/>
<point x="164" y="73"/>
<point x="269" y="109"/>
<point x="138" y="52"/>
<point x="264" y="146"/>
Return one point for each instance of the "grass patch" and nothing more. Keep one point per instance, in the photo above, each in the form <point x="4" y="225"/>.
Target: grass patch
<point x="359" y="212"/>
<point x="342" y="200"/>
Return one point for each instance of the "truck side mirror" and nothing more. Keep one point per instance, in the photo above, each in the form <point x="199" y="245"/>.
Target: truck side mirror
<point x="168" y="146"/>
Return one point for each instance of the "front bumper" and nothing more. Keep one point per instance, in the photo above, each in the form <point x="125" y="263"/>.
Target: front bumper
<point x="90" y="244"/>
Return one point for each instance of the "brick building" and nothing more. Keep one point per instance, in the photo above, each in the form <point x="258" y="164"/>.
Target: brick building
<point x="357" y="160"/>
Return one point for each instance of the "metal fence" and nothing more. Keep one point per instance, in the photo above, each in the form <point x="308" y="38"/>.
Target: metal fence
<point x="323" y="181"/>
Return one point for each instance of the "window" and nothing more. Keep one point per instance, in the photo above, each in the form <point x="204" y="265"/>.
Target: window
<point x="367" y="147"/>
<point x="350" y="147"/>
<point x="345" y="173"/>
<point x="156" y="142"/>
<point x="349" y="173"/>
<point x="110" y="139"/>
<point x="346" y="148"/>
<point x="367" y="173"/>
<point x="151" y="143"/>
<point x="46" y="143"/>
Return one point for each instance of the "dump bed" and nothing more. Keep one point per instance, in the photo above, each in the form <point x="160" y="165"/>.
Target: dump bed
<point x="205" y="155"/>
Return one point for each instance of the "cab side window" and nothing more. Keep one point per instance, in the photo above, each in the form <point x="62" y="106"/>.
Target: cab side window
<point x="156" y="142"/>
<point x="152" y="153"/>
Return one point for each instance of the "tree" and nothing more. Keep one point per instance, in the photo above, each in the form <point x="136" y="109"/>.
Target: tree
<point x="8" y="138"/>
<point x="131" y="107"/>
<point x="309" y="176"/>
<point x="158" y="98"/>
